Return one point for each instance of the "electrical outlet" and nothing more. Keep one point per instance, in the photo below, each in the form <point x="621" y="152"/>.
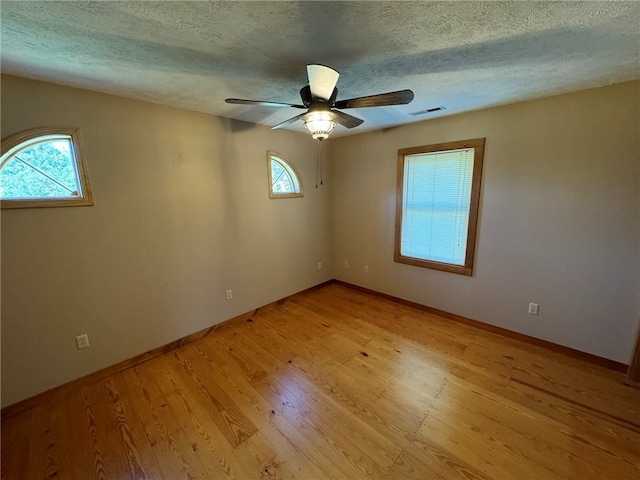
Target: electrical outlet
<point x="533" y="308"/>
<point x="229" y="294"/>
<point x="366" y="269"/>
<point x="346" y="264"/>
<point x="319" y="265"/>
<point x="82" y="341"/>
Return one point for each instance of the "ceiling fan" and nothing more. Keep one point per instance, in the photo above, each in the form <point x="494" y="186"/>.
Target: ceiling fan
<point x="323" y="110"/>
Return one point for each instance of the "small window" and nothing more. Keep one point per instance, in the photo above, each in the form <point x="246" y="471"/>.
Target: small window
<point x="438" y="195"/>
<point x="43" y="167"/>
<point x="284" y="181"/>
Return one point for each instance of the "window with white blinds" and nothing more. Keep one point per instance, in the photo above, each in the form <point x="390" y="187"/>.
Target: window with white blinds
<point x="438" y="196"/>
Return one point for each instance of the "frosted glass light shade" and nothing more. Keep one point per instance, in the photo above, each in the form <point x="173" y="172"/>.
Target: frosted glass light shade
<point x="319" y="124"/>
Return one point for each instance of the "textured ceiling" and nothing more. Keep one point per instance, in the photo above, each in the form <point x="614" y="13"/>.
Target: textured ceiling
<point x="460" y="55"/>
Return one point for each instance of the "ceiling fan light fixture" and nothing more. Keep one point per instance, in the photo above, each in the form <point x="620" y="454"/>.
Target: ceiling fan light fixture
<point x="320" y="124"/>
<point x="319" y="97"/>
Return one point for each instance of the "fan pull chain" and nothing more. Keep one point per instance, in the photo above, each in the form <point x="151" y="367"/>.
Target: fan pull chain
<point x="321" y="159"/>
<point x="319" y="163"/>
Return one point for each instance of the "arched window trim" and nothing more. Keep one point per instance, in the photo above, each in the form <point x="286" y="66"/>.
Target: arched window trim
<point x="14" y="144"/>
<point x="290" y="169"/>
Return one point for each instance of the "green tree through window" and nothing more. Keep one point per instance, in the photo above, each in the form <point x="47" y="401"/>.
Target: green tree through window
<point x="43" y="167"/>
<point x="284" y="181"/>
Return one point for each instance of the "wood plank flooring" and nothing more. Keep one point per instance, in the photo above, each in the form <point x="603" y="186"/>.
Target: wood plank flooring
<point x="336" y="383"/>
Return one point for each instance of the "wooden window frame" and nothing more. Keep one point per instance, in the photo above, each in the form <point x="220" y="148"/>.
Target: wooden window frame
<point x="289" y="167"/>
<point x="478" y="146"/>
<point x="13" y="141"/>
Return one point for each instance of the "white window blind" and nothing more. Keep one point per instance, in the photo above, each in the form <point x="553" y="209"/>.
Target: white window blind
<point x="435" y="206"/>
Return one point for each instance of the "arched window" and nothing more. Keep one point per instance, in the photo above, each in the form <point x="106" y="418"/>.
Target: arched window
<point x="284" y="181"/>
<point x="43" y="167"/>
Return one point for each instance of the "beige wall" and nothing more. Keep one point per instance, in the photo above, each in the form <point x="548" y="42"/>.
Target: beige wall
<point x="559" y="221"/>
<point x="181" y="214"/>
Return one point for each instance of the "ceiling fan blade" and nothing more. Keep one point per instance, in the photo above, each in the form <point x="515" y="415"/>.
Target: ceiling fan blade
<point x="401" y="97"/>
<point x="322" y="81"/>
<point x="286" y="123"/>
<point x="346" y="120"/>
<point x="240" y="101"/>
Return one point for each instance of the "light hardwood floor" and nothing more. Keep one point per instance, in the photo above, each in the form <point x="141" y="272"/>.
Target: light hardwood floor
<point x="336" y="383"/>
